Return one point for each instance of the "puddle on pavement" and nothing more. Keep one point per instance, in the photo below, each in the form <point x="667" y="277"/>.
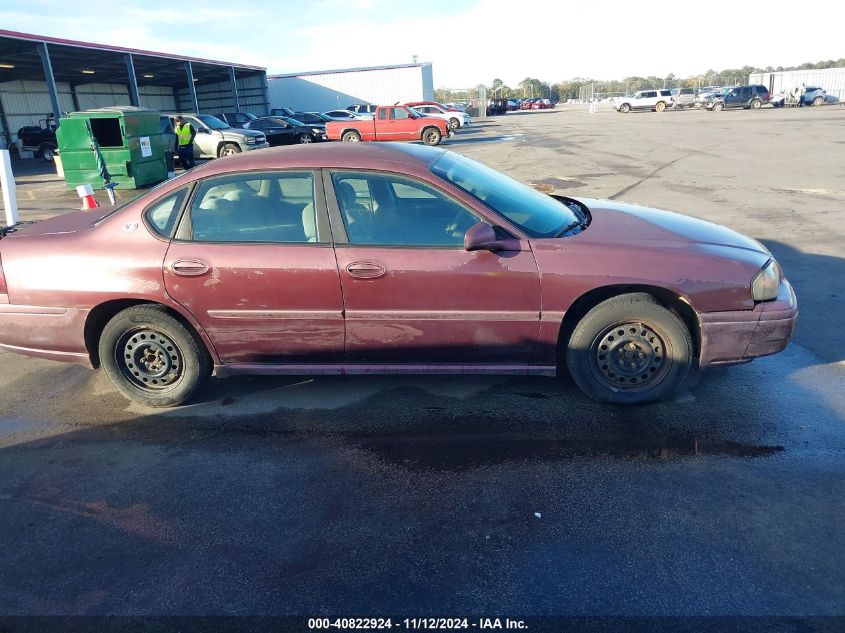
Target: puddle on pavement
<point x="470" y="451"/>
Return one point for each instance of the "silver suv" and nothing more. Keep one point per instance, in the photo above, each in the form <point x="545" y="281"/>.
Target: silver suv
<point x="215" y="139"/>
<point x="683" y="97"/>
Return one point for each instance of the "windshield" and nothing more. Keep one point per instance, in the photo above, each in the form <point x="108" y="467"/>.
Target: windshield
<point x="212" y="121"/>
<point x="535" y="213"/>
<point x="287" y="119"/>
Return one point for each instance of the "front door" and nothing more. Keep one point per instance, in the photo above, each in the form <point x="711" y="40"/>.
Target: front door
<point x="412" y="293"/>
<point x="253" y="262"/>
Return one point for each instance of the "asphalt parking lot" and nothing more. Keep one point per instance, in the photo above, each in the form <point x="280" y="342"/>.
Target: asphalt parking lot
<point x="409" y="496"/>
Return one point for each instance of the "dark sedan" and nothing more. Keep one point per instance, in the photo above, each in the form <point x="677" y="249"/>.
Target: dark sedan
<point x="385" y="258"/>
<point x="281" y="130"/>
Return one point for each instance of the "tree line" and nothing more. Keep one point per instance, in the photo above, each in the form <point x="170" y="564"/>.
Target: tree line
<point x="572" y="88"/>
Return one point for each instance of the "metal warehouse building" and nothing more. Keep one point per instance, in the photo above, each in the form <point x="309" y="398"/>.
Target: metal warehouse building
<point x="44" y="75"/>
<point x="831" y="79"/>
<point x="333" y="89"/>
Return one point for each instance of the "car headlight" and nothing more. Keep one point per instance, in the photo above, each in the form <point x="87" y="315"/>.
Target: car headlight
<point x="767" y="282"/>
<point x="317" y="130"/>
<point x="250" y="140"/>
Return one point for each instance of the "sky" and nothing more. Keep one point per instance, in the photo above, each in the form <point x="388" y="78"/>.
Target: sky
<point x="469" y="42"/>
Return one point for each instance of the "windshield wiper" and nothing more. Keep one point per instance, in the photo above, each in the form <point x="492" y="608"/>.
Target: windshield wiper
<point x="571" y="226"/>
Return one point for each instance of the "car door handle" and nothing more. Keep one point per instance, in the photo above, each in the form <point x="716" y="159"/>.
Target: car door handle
<point x="189" y="267"/>
<point x="365" y="270"/>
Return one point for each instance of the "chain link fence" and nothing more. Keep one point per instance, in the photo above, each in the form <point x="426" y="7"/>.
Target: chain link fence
<point x="472" y="100"/>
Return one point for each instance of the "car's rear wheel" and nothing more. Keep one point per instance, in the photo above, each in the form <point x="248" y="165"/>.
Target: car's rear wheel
<point x="756" y="104"/>
<point x="431" y="136"/>
<point x="625" y="108"/>
<point x="628" y="350"/>
<point x="818" y="101"/>
<point x="305" y="138"/>
<point x="151" y="358"/>
<point x="660" y="107"/>
<point x="454" y="124"/>
<point x="350" y="137"/>
<point x="718" y="106"/>
<point x="228" y="149"/>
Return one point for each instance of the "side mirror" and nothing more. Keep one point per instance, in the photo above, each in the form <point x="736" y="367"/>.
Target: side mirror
<point x="480" y="237"/>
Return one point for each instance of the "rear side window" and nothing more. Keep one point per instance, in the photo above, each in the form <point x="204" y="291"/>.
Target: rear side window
<point x="255" y="207"/>
<point x="162" y="215"/>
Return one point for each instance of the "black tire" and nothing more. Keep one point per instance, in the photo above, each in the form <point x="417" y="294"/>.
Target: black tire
<point x="756" y="104"/>
<point x="228" y="149"/>
<point x="431" y="136"/>
<point x="305" y="138"/>
<point x="625" y="108"/>
<point x="454" y="124"/>
<point x="151" y="358"/>
<point x="47" y="152"/>
<point x="647" y="362"/>
<point x="718" y="106"/>
<point x="350" y="137"/>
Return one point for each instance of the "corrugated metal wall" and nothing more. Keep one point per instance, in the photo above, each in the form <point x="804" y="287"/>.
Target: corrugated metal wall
<point x="25" y="102"/>
<point x="217" y="97"/>
<point x="330" y="91"/>
<point x="831" y="79"/>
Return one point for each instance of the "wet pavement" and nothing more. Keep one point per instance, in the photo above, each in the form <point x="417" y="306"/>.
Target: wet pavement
<point x="403" y="496"/>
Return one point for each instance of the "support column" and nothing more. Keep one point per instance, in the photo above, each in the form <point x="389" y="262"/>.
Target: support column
<point x="235" y="102"/>
<point x="192" y="90"/>
<point x="266" y="93"/>
<point x="134" y="96"/>
<point x="50" y="79"/>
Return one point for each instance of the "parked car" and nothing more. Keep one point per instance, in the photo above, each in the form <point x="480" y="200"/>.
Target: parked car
<point x="236" y="119"/>
<point x="454" y="108"/>
<point x="394" y="258"/>
<point x="39" y="139"/>
<point x="813" y="95"/>
<point x="705" y="94"/>
<point x="683" y="97"/>
<point x="282" y="112"/>
<point x="309" y="118"/>
<point x="346" y="115"/>
<point x="362" y="108"/>
<point x="654" y="100"/>
<point x="748" y="97"/>
<point x="542" y="104"/>
<point x="287" y="131"/>
<point x="455" y="119"/>
<point x="215" y="139"/>
<point x="391" y="123"/>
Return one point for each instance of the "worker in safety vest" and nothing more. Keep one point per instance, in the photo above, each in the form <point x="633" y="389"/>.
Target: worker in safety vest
<point x="185" y="134"/>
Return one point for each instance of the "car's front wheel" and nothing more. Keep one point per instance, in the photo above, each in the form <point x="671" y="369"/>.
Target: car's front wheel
<point x="624" y="108"/>
<point x="629" y="349"/>
<point x="228" y="149"/>
<point x="305" y="138"/>
<point x="151" y="358"/>
<point x="718" y="106"/>
<point x="818" y="101"/>
<point x="454" y="124"/>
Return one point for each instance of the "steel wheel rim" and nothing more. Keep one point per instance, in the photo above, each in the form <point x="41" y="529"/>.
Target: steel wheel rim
<point x="629" y="356"/>
<point x="148" y="359"/>
<point x="48" y="154"/>
<point x="351" y="138"/>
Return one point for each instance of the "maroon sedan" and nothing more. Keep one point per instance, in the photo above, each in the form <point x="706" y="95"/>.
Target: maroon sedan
<point x="360" y="258"/>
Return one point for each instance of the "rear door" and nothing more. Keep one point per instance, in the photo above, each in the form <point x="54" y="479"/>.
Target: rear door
<point x="253" y="262"/>
<point x="412" y="293"/>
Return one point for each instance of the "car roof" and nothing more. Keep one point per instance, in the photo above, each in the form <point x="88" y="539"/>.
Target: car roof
<point x="403" y="157"/>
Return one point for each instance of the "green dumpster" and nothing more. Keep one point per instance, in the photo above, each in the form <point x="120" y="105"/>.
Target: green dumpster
<point x="129" y="141"/>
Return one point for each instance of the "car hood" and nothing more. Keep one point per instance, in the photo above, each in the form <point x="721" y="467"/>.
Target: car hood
<point x="618" y="221"/>
<point x="235" y="132"/>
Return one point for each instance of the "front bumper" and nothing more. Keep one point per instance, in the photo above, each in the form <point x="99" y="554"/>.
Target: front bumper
<point x="247" y="147"/>
<point x="741" y="335"/>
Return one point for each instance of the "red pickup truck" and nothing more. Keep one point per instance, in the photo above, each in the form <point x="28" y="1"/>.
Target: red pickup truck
<point x="390" y="123"/>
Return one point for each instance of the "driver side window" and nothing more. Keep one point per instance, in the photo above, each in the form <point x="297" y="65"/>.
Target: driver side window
<point x="389" y="210"/>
